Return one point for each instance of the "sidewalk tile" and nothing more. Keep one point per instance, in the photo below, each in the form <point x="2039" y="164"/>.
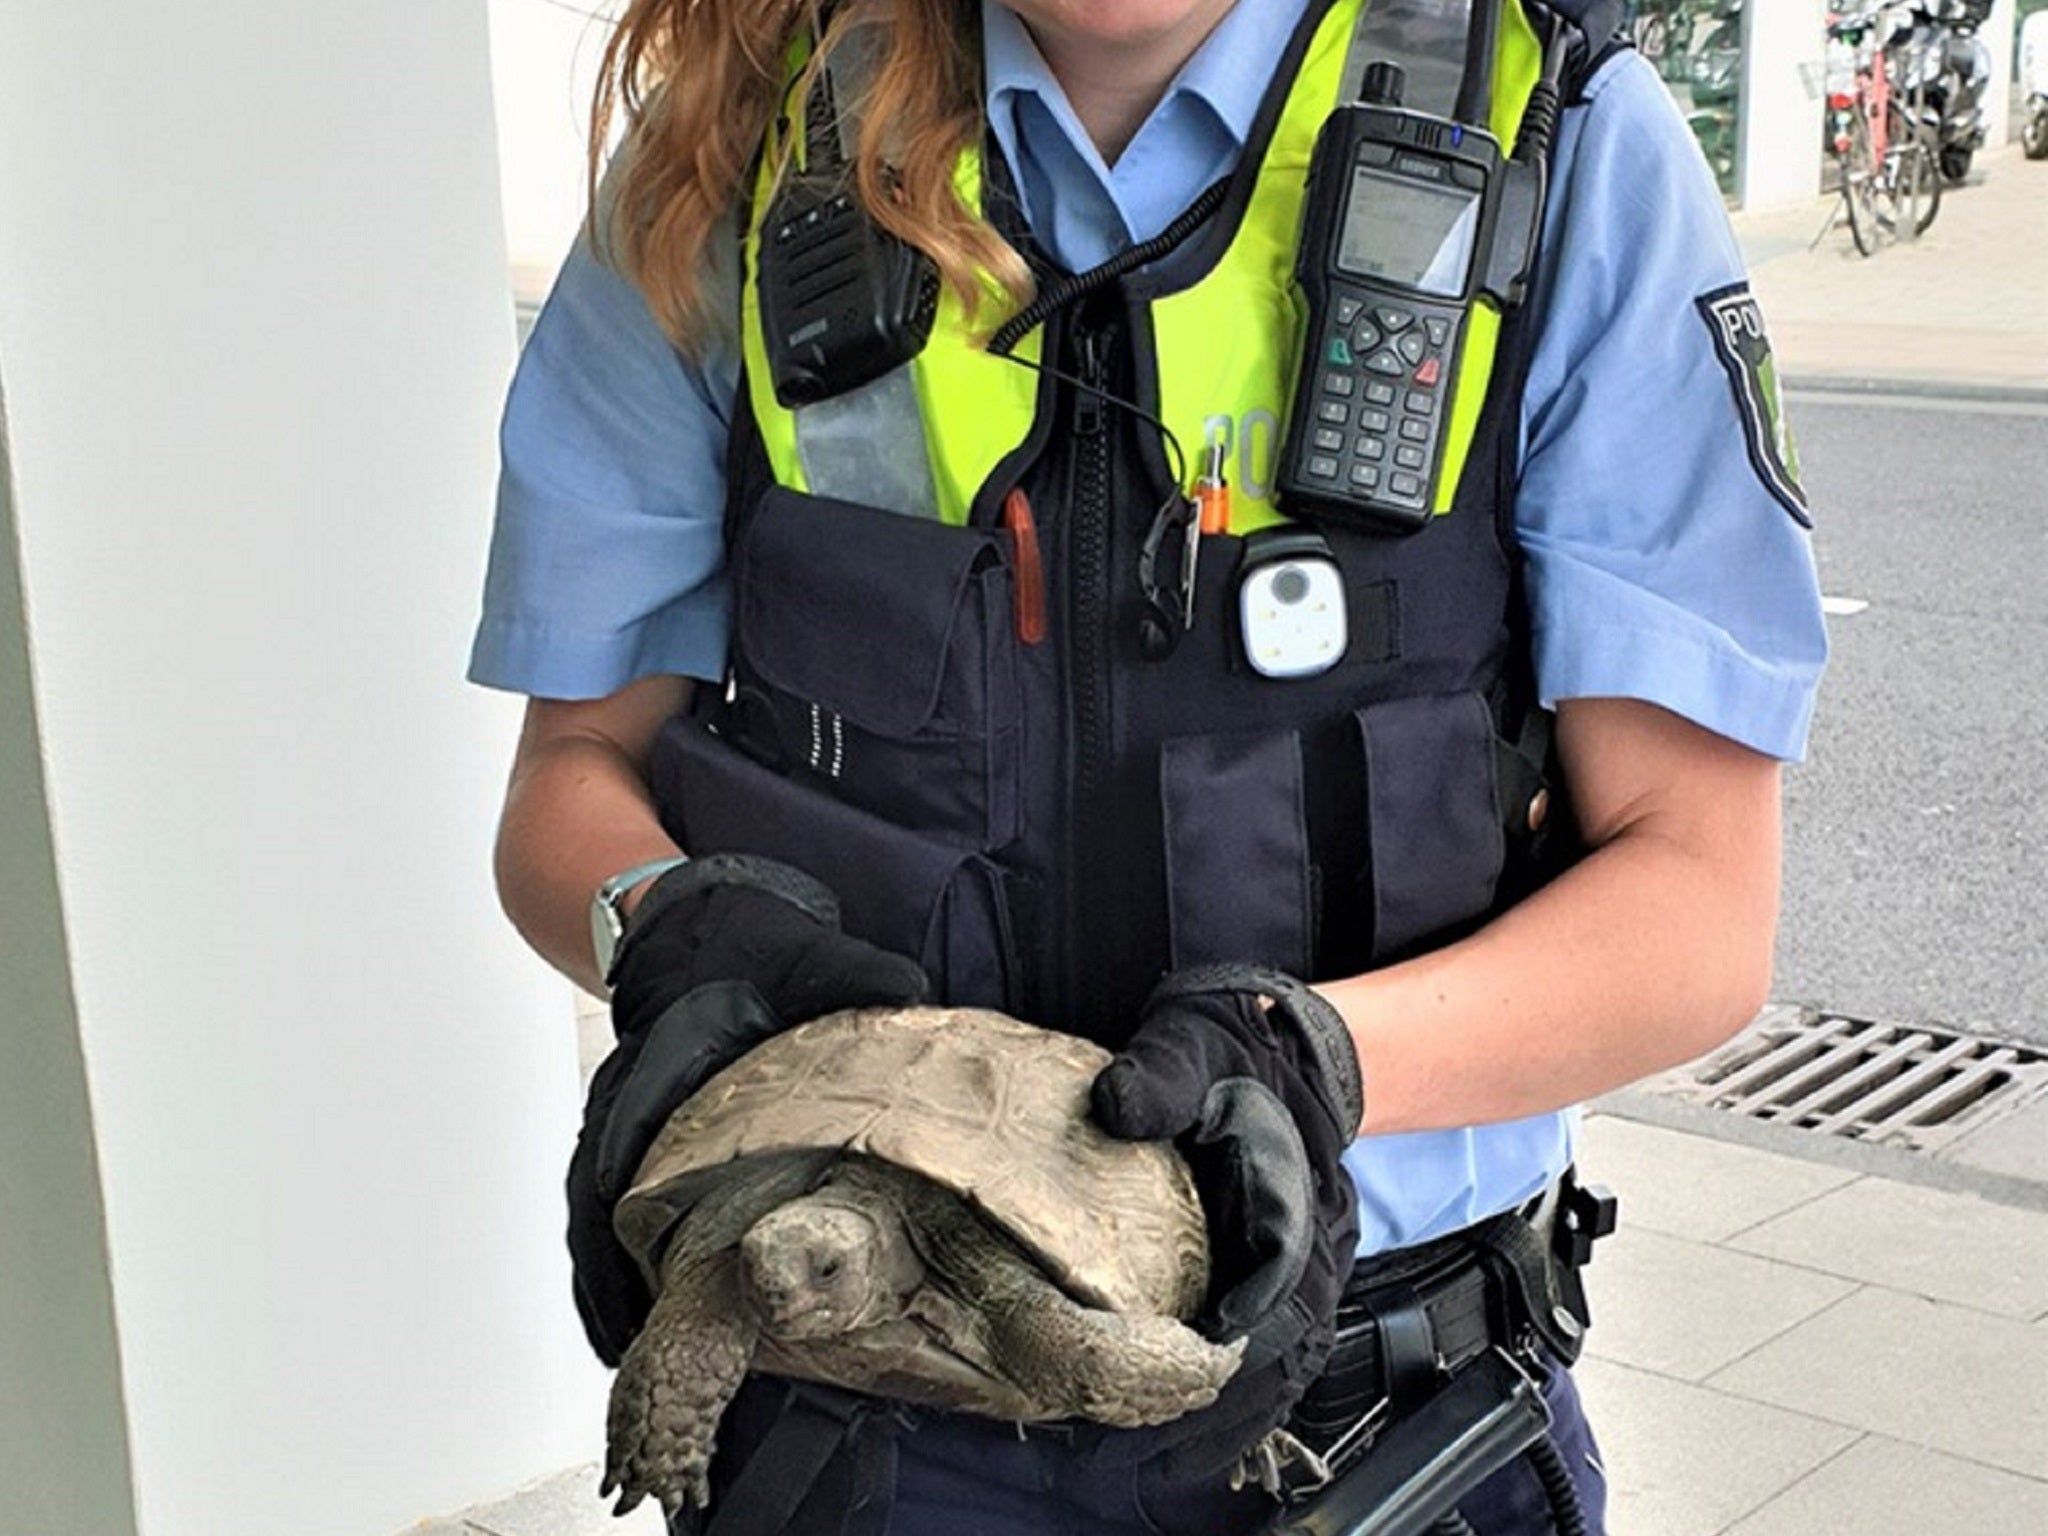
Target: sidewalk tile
<point x="2016" y="1146"/>
<point x="1685" y="1461"/>
<point x="1929" y="1242"/>
<point x="1961" y="302"/>
<point x="1694" y="1187"/>
<point x="564" y="1505"/>
<point x="1882" y="1488"/>
<point x="1925" y="1372"/>
<point x="1685" y="1309"/>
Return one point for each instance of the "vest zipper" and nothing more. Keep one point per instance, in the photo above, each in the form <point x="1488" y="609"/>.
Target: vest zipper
<point x="1090" y="839"/>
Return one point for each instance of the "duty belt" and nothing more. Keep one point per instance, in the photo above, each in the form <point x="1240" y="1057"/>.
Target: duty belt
<point x="1398" y="1337"/>
<point x="1410" y="1322"/>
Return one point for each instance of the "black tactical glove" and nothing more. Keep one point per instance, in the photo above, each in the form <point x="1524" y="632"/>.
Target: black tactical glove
<point x="721" y="953"/>
<point x="1262" y="1101"/>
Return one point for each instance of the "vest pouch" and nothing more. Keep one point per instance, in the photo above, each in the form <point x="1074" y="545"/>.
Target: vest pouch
<point x="1239" y="887"/>
<point x="1432" y="816"/>
<point x="875" y="656"/>
<point x="940" y="903"/>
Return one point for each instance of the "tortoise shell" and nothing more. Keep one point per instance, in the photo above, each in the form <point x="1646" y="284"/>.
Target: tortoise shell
<point x="990" y="1108"/>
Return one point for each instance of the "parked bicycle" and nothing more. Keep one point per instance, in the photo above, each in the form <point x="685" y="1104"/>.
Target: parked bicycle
<point x="1889" y="163"/>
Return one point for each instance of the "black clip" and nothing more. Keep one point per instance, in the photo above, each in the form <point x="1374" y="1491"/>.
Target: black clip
<point x="1585" y="1214"/>
<point x="1169" y="614"/>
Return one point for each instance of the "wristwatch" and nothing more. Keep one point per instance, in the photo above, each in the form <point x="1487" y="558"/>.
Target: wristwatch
<point x="607" y="922"/>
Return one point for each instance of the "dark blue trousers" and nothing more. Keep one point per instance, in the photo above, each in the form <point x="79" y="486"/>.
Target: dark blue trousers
<point x="958" y="1476"/>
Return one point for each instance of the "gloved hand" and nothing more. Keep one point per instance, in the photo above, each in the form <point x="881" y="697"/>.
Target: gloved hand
<point x="1255" y="1078"/>
<point x="720" y="954"/>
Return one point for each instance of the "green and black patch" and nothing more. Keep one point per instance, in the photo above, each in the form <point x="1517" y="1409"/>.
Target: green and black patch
<point x="1744" y="347"/>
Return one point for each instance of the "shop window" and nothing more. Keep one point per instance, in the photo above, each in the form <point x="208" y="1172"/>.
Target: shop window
<point x="1696" y="45"/>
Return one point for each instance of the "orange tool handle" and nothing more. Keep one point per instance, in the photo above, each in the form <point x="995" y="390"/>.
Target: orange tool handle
<point x="1029" y="570"/>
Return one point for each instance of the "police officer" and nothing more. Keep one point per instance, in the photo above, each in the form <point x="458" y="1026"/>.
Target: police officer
<point x="926" y="763"/>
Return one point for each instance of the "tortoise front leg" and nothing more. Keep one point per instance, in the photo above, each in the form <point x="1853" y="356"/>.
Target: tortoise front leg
<point x="1114" y="1368"/>
<point x="675" y="1382"/>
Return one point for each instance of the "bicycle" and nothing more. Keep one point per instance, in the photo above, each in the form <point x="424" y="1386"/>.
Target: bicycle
<point x="1890" y="172"/>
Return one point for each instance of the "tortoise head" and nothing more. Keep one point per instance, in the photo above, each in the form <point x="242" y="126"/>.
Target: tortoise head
<point x="816" y="1267"/>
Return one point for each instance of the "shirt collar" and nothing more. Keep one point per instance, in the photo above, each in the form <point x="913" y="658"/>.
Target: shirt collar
<point x="1235" y="64"/>
<point x="1229" y="72"/>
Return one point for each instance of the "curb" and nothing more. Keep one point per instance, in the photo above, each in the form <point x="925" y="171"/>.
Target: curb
<point x="1916" y="388"/>
<point x="1931" y="1171"/>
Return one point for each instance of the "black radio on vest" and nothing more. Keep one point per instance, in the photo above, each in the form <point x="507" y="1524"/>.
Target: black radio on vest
<point x="1409" y="219"/>
<point x="843" y="301"/>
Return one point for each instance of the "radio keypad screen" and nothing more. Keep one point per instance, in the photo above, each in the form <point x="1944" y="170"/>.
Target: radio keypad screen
<point x="1401" y="232"/>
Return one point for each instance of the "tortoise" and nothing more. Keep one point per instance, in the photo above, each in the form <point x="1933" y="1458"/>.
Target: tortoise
<point x="910" y="1202"/>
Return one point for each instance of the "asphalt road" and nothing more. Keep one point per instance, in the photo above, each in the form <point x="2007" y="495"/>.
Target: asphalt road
<point x="1916" y="869"/>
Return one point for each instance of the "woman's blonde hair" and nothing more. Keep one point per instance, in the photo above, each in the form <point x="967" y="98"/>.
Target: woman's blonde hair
<point x="700" y="82"/>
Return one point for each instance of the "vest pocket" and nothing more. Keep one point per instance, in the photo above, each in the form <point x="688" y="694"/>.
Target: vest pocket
<point x="1238" y="878"/>
<point x="1432" y="815"/>
<point x="1292" y="847"/>
<point x="941" y="904"/>
<point x="875" y="656"/>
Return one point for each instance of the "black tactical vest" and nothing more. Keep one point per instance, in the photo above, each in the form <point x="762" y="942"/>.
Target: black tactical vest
<point x="1049" y="827"/>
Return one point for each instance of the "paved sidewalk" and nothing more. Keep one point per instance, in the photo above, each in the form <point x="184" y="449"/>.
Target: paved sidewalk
<point x="1784" y="1347"/>
<point x="1965" y="305"/>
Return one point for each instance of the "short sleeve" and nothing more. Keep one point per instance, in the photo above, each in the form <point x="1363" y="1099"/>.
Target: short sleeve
<point x="607" y="558"/>
<point x="1666" y="538"/>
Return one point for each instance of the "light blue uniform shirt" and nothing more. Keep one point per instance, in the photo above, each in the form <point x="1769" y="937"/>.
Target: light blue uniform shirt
<point x="1659" y="565"/>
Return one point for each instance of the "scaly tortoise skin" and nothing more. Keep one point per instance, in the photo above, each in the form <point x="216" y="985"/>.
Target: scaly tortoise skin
<point x="912" y="1203"/>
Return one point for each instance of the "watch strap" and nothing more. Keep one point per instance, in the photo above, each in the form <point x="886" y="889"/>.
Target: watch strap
<point x="608" y="923"/>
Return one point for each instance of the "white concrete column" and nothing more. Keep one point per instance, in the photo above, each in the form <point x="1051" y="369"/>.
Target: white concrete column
<point x="1782" y="104"/>
<point x="2001" y="33"/>
<point x="63" y="1440"/>
<point x="254" y="328"/>
<point x="544" y="65"/>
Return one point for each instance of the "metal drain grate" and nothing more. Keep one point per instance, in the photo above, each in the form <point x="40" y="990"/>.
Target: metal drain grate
<point x="1896" y="1085"/>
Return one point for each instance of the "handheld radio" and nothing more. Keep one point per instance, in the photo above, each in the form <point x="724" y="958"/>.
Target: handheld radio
<point x="843" y="301"/>
<point x="1409" y="219"/>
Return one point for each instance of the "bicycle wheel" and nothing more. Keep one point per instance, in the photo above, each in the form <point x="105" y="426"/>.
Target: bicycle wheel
<point x="1916" y="188"/>
<point x="1860" y="188"/>
<point x="1912" y="175"/>
<point x="2034" y="136"/>
<point x="1931" y="184"/>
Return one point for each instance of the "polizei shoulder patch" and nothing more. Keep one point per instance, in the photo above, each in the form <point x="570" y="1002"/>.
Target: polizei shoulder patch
<point x="1740" y="341"/>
